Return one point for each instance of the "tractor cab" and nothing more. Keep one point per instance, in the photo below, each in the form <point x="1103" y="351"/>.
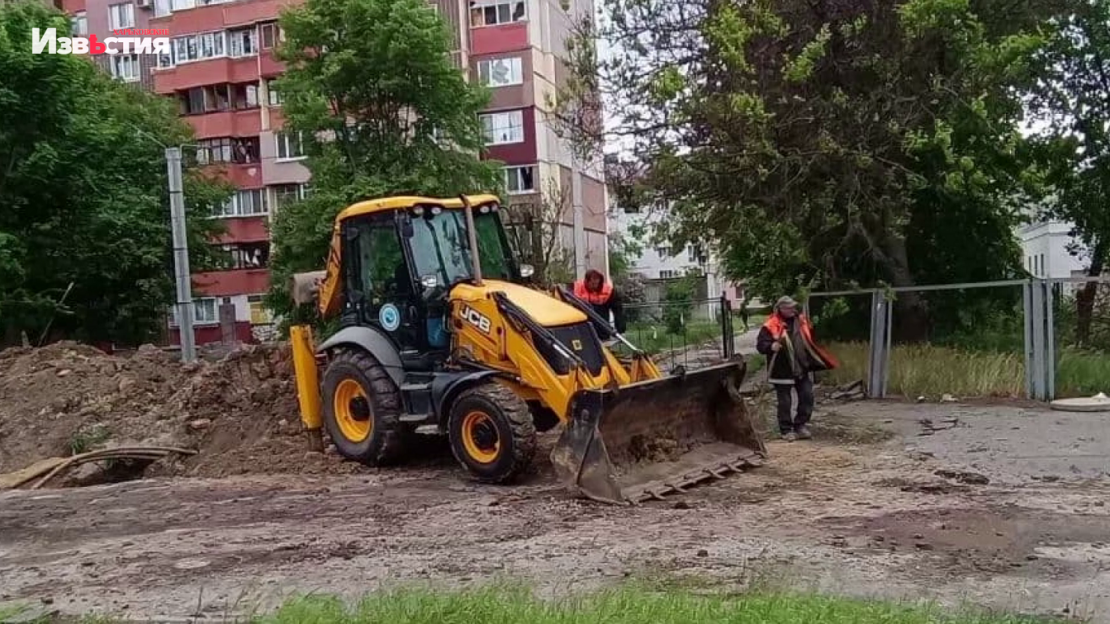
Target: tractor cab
<point x="401" y="260"/>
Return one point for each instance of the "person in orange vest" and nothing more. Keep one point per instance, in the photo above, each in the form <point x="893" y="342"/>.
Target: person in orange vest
<point x="602" y="297"/>
<point x="786" y="339"/>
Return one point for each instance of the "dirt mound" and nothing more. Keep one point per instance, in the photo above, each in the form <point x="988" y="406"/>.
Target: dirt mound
<point x="67" y="397"/>
<point x="240" y="412"/>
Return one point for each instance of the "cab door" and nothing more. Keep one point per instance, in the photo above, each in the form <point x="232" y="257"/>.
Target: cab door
<point x="380" y="289"/>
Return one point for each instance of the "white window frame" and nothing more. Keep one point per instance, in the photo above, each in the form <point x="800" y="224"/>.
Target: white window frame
<point x="516" y="171"/>
<point x="273" y="97"/>
<point x="284" y="139"/>
<point x="276" y="35"/>
<point x="264" y="312"/>
<point x="301" y="193"/>
<point x="236" y="207"/>
<point x="515" y="68"/>
<point x="118" y="66"/>
<point x="513" y="121"/>
<point x="235" y="35"/>
<point x="481" y="5"/>
<point x="218" y="46"/>
<point x="182" y="5"/>
<point x="201" y="307"/>
<point x="79" y="24"/>
<point x="121" y="16"/>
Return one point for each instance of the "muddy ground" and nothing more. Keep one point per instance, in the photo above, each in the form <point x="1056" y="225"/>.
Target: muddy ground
<point x="1004" y="507"/>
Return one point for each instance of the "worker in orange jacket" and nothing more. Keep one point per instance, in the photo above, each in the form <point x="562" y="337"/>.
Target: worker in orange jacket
<point x="602" y="297"/>
<point x="786" y="340"/>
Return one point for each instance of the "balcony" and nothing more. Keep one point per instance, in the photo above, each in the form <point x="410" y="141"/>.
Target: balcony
<point x="233" y="282"/>
<point x="245" y="230"/>
<point x="499" y="39"/>
<point x="207" y="72"/>
<point x="237" y="123"/>
<point x="219" y="16"/>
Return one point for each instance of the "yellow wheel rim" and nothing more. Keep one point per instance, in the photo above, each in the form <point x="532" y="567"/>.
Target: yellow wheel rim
<point x="479" y="438"/>
<point x="352" y="411"/>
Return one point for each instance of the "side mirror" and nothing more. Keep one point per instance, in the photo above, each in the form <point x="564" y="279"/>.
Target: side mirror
<point x="527" y="270"/>
<point x="430" y="280"/>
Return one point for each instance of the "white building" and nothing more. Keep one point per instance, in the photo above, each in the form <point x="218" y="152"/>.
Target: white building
<point x="662" y="262"/>
<point x="1047" y="251"/>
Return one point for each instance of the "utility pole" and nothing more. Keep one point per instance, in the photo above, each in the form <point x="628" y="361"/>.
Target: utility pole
<point x="181" y="257"/>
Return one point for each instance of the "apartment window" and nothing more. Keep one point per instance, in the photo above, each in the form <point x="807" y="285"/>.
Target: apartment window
<point x="694" y="253"/>
<point x="165" y="61"/>
<point x="289" y="145"/>
<point x="244" y="42"/>
<point x="272" y="94"/>
<point x="199" y="47"/>
<point x="270" y="34"/>
<point x="162" y="8"/>
<point x="520" y="179"/>
<point x="260" y="314"/>
<point x="181" y="5"/>
<point x="121" y="16"/>
<point x="247" y="255"/>
<point x="126" y="67"/>
<point x="205" y="312"/>
<point x="502" y="128"/>
<point x="239" y="151"/>
<point x="668" y="274"/>
<point x="80" y="24"/>
<point x="285" y="194"/>
<point x="494" y="12"/>
<point x="663" y="252"/>
<point x="501" y="72"/>
<point x="243" y="203"/>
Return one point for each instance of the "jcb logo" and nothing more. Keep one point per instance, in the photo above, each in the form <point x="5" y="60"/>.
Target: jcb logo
<point x="475" y="318"/>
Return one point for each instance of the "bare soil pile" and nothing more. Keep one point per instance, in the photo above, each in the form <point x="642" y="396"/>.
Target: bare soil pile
<point x="240" y="413"/>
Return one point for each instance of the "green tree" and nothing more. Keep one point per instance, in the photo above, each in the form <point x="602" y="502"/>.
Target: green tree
<point x="821" y="144"/>
<point x="84" y="195"/>
<point x="1071" y="102"/>
<point x="383" y="111"/>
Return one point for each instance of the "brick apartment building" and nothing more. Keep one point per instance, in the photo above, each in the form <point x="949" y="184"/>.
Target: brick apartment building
<point x="220" y="73"/>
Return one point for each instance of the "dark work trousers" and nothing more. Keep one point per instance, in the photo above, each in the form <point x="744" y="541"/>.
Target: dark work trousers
<point x="804" y="386"/>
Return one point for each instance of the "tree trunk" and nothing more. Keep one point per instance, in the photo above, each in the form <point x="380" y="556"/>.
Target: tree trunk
<point x="1085" y="300"/>
<point x="911" y="315"/>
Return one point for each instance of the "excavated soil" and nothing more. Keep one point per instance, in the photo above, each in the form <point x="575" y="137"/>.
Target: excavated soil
<point x="240" y="413"/>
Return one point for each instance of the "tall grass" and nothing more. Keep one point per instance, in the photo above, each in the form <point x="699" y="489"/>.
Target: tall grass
<point x="621" y="606"/>
<point x="933" y="370"/>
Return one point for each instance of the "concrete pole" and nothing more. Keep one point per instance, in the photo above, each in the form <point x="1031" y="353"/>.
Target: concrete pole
<point x="579" y="217"/>
<point x="181" y="256"/>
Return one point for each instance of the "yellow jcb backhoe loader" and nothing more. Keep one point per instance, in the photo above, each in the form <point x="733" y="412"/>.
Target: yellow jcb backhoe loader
<point x="441" y="329"/>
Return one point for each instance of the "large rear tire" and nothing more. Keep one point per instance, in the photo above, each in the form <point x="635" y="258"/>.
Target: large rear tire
<point x="491" y="433"/>
<point x="362" y="409"/>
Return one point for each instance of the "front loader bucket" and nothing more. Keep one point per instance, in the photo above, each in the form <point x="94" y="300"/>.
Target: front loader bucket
<point x="655" y="437"/>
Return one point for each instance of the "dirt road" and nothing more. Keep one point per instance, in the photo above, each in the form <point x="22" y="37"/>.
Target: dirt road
<point x="842" y="513"/>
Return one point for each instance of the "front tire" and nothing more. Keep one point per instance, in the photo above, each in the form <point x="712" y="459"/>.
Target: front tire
<point x="362" y="409"/>
<point x="491" y="433"/>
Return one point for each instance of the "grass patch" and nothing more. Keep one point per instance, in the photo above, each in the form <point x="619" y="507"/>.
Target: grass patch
<point x="628" y="605"/>
<point x="88" y="437"/>
<point x="933" y="370"/>
<point x="653" y="338"/>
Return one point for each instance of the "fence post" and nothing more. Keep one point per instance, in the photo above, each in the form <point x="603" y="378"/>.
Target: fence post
<point x="1037" y="319"/>
<point x="1050" y="341"/>
<point x="728" y="336"/>
<point x="1027" y="321"/>
<point x="878" y="345"/>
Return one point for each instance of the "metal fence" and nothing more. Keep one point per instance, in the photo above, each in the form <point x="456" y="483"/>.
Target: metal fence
<point x="1039" y="338"/>
<point x="690" y="333"/>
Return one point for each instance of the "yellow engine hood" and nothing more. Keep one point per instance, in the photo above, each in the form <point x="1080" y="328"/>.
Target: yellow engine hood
<point x="545" y="309"/>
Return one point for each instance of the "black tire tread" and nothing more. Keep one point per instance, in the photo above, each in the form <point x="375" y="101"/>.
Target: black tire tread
<point x="523" y="428"/>
<point x="386" y="401"/>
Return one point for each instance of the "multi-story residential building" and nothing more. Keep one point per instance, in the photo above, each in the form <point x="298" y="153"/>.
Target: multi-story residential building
<point x="220" y="73"/>
<point x="659" y="262"/>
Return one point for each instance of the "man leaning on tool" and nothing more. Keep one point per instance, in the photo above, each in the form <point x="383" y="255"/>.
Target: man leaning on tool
<point x="786" y="339"/>
<point x="602" y="297"/>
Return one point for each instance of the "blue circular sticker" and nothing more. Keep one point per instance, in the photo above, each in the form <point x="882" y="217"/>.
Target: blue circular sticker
<point x="390" y="317"/>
